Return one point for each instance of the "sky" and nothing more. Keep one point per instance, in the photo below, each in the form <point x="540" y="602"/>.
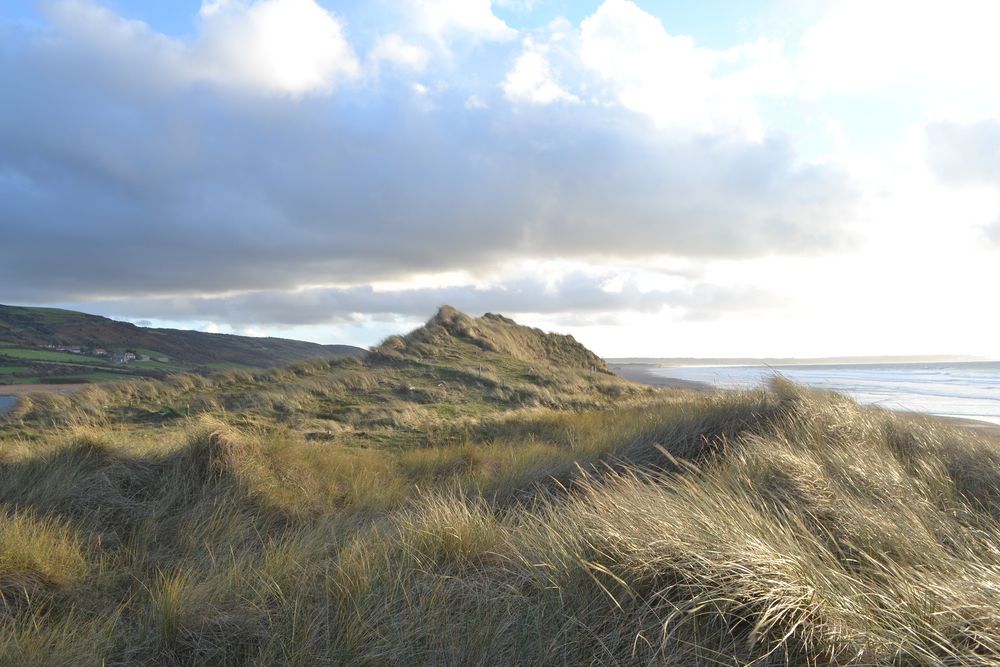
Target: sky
<point x="658" y="178"/>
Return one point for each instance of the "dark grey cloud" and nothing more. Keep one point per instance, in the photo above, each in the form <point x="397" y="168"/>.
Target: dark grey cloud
<point x="118" y="179"/>
<point x="579" y="293"/>
<point x="965" y="154"/>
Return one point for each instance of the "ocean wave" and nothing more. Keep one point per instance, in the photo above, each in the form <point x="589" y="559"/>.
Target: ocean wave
<point x="965" y="389"/>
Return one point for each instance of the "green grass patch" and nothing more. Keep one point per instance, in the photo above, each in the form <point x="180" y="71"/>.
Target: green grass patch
<point x="100" y="377"/>
<point x="27" y="379"/>
<point x="49" y="355"/>
<point x="154" y="366"/>
<point x="224" y="366"/>
<point x="148" y="353"/>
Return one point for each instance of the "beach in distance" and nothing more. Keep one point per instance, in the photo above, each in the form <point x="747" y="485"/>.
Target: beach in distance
<point x="958" y="389"/>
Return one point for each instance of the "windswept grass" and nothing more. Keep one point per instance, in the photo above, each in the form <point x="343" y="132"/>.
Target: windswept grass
<point x="775" y="528"/>
<point x="766" y="528"/>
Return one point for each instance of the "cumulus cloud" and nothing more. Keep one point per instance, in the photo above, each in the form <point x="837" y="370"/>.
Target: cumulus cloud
<point x="663" y="76"/>
<point x="531" y="81"/>
<point x="965" y="153"/>
<point x="517" y="5"/>
<point x="268" y="46"/>
<point x="396" y="51"/>
<point x="473" y="19"/>
<point x="292" y="46"/>
<point x="125" y="175"/>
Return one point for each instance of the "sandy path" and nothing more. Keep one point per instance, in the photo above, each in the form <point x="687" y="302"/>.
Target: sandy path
<point x="25" y="389"/>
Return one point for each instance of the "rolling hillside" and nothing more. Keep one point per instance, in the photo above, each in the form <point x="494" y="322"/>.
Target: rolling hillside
<point x="30" y="339"/>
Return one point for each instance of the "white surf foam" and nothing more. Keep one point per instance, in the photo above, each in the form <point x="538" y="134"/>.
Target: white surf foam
<point x="970" y="390"/>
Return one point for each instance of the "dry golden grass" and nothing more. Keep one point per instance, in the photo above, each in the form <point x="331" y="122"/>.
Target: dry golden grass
<point x="766" y="528"/>
<point x="763" y="528"/>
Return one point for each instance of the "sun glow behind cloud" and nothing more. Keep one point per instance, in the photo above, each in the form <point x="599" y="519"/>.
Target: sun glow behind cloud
<point x="827" y="189"/>
<point x="292" y="46"/>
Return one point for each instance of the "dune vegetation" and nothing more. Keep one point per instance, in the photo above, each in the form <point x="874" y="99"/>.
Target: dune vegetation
<point x="478" y="492"/>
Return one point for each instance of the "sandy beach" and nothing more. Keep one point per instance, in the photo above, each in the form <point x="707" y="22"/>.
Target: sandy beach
<point x="643" y="374"/>
<point x="976" y="425"/>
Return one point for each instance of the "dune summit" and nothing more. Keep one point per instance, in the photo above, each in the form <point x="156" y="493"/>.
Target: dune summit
<point x="450" y="329"/>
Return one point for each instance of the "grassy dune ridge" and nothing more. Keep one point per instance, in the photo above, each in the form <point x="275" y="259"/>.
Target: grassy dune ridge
<point x="477" y="493"/>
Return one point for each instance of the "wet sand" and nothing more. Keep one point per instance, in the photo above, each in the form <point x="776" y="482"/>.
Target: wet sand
<point x="988" y="428"/>
<point x="643" y="374"/>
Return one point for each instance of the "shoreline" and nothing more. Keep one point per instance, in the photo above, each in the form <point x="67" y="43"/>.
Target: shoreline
<point x="643" y="374"/>
<point x="967" y="422"/>
<point x="744" y="362"/>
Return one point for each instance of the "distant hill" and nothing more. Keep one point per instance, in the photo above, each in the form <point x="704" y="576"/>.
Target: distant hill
<point x="29" y="338"/>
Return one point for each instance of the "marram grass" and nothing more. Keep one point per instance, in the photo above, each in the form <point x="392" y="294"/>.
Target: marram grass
<point x="786" y="528"/>
<point x="760" y="528"/>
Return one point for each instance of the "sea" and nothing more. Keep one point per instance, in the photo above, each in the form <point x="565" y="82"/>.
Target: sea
<point x="969" y="390"/>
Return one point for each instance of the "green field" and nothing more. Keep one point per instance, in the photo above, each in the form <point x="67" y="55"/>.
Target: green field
<point x="48" y="366"/>
<point x="155" y="365"/>
<point x="49" y="355"/>
<point x="23" y="365"/>
<point x="99" y="377"/>
<point x="148" y="353"/>
<point x="8" y="380"/>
